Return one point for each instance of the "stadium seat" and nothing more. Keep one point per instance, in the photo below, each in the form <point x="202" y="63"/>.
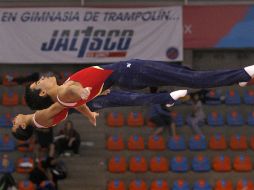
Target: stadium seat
<point x="159" y="164"/>
<point x="138" y="185"/>
<point x="135" y="119"/>
<point x="179" y="164"/>
<point x="117" y="164"/>
<point x="176" y="143"/>
<point x="252" y="142"/>
<point x="201" y="163"/>
<point x="26" y="185"/>
<point x="6" y="143"/>
<point x="156" y="142"/>
<point x="250" y="119"/>
<point x="215" y="119"/>
<point x="244" y="184"/>
<point x="116" y="185"/>
<point x="215" y="95"/>
<point x="10" y="98"/>
<point x="25" y="164"/>
<point x="242" y="163"/>
<point x="150" y="124"/>
<point x="238" y="142"/>
<point x="177" y="118"/>
<point x="23" y="101"/>
<point x="7" y="79"/>
<point x="47" y="184"/>
<point x="223" y="185"/>
<point x="26" y="146"/>
<point x="232" y="97"/>
<point x="115" y="143"/>
<point x="234" y="118"/>
<point x="248" y="97"/>
<point x="6" y="164"/>
<point x="197" y="142"/>
<point x="221" y="163"/>
<point x="202" y="185"/>
<point x="217" y="142"/>
<point x="138" y="164"/>
<point x="159" y="185"/>
<point x="115" y="119"/>
<point x="181" y="185"/>
<point x="136" y="142"/>
<point x="6" y="120"/>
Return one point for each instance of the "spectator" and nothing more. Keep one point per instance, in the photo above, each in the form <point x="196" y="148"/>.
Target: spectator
<point x="197" y="117"/>
<point x="7" y="165"/>
<point x="67" y="139"/>
<point x="160" y="116"/>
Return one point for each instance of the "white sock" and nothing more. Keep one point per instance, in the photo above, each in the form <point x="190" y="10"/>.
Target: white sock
<point x="178" y="94"/>
<point x="250" y="70"/>
<point x="243" y="84"/>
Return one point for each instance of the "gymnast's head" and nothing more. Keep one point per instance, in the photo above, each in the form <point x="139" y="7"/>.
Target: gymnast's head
<point x="37" y="94"/>
<point x="21" y="130"/>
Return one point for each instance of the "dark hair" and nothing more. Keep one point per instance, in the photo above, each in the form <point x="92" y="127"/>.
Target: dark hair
<point x="35" y="101"/>
<point x="23" y="134"/>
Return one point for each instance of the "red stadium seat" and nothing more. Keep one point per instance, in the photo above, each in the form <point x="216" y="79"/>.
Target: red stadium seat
<point x="117" y="164"/>
<point x="135" y="119"/>
<point x="25" y="165"/>
<point x="26" y="146"/>
<point x="156" y="142"/>
<point x="159" y="164"/>
<point x="26" y="185"/>
<point x="223" y="185"/>
<point x="159" y="185"/>
<point x="242" y="163"/>
<point x="217" y="142"/>
<point x="243" y="184"/>
<point x="138" y="164"/>
<point x="116" y="185"/>
<point x="7" y="79"/>
<point x="10" y="98"/>
<point x="150" y="124"/>
<point x="221" y="163"/>
<point x="138" y="185"/>
<point x="115" y="119"/>
<point x="136" y="142"/>
<point x="115" y="143"/>
<point x="238" y="142"/>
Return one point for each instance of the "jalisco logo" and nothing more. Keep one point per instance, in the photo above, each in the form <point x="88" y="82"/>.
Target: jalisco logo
<point x="90" y="42"/>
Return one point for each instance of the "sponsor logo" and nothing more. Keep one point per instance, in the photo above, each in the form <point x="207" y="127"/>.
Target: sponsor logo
<point x="90" y="42"/>
<point x="172" y="53"/>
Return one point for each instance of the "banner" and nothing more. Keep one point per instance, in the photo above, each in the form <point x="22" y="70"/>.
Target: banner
<point x="220" y="26"/>
<point x="90" y="35"/>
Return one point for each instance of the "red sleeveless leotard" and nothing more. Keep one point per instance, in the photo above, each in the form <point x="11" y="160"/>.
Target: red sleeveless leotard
<point x="89" y="77"/>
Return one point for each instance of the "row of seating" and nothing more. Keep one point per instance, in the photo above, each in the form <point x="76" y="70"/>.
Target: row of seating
<point x="24" y="164"/>
<point x="178" y="143"/>
<point x="214" y="118"/>
<point x="181" y="184"/>
<point x="199" y="163"/>
<point x="28" y="185"/>
<point x="12" y="98"/>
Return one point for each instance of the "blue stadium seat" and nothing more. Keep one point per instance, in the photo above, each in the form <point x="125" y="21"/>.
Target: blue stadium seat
<point x="232" y="97"/>
<point x="216" y="95"/>
<point x="177" y="118"/>
<point x="215" y="119"/>
<point x="198" y="142"/>
<point x="9" y="168"/>
<point x="202" y="185"/>
<point x="201" y="164"/>
<point x="180" y="185"/>
<point x="179" y="164"/>
<point x="6" y="120"/>
<point x="234" y="118"/>
<point x="6" y="143"/>
<point x="250" y="119"/>
<point x="248" y="97"/>
<point x="176" y="143"/>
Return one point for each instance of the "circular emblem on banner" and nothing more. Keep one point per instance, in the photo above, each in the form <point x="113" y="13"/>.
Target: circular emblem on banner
<point x="172" y="53"/>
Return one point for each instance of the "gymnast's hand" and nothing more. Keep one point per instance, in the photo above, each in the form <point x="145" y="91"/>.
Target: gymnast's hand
<point x="85" y="93"/>
<point x="92" y="118"/>
<point x="105" y="92"/>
